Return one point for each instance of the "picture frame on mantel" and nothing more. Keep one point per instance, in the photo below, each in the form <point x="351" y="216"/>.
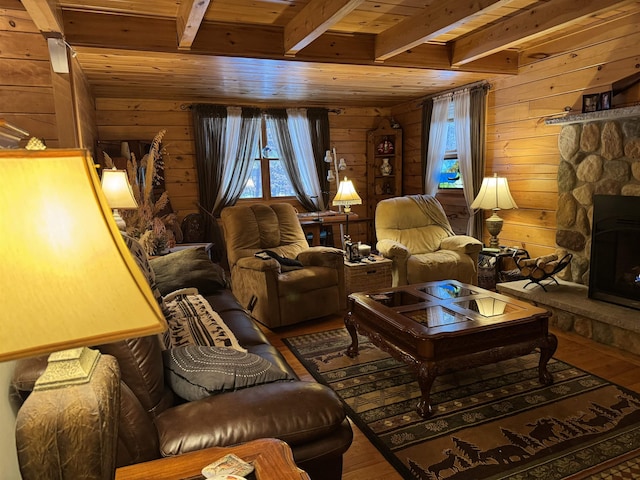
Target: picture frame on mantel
<point x="604" y="102"/>
<point x="590" y="102"/>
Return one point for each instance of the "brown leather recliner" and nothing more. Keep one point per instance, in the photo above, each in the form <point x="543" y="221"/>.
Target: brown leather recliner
<point x="154" y="422"/>
<point x="278" y="295"/>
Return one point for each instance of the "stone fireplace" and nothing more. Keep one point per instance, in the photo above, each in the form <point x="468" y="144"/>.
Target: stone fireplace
<point x="599" y="155"/>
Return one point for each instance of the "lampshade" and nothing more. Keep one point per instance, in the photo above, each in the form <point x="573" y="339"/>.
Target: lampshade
<point x="117" y="190"/>
<point x="68" y="278"/>
<point x="494" y="193"/>
<point x="347" y="194"/>
<point x="118" y="193"/>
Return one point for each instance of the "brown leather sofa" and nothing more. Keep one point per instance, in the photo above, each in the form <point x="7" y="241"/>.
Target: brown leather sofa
<point x="154" y="422"/>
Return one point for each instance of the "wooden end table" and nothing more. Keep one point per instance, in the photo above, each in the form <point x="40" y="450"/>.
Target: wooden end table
<point x="271" y="458"/>
<point x="438" y="327"/>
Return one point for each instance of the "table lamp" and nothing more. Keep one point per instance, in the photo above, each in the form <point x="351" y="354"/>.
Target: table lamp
<point x="118" y="192"/>
<point x="346" y="197"/>
<point x="68" y="282"/>
<point x="494" y="195"/>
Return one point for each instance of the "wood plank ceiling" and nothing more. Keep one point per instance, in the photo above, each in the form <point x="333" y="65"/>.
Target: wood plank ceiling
<point x="312" y="52"/>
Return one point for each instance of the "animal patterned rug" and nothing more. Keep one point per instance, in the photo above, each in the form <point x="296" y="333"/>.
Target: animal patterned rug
<point x="491" y="422"/>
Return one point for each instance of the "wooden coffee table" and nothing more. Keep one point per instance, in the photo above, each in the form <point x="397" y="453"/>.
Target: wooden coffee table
<point x="438" y="327"/>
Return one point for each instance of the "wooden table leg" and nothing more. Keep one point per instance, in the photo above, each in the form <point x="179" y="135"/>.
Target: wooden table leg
<point x="427" y="373"/>
<point x="547" y="349"/>
<point x="352" y="351"/>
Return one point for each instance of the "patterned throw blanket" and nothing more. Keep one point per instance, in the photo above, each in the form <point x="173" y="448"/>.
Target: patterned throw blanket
<point x="192" y="321"/>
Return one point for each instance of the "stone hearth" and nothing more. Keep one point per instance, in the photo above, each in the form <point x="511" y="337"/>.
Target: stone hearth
<point x="573" y="311"/>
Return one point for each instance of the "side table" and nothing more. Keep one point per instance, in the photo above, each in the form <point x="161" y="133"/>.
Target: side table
<point x="367" y="275"/>
<point x="496" y="266"/>
<point x="271" y="458"/>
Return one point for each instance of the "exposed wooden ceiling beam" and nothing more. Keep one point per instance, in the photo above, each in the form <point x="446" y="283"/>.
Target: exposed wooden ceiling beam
<point x="46" y="14"/>
<point x="259" y="41"/>
<point x="314" y="20"/>
<point x="437" y="19"/>
<point x="526" y="26"/>
<point x="188" y="20"/>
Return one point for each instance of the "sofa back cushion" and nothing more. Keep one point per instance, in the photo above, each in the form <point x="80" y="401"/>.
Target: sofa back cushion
<point x="249" y="229"/>
<point x="141" y="369"/>
<point x="417" y="221"/>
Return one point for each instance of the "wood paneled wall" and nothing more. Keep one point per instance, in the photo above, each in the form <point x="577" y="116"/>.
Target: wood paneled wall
<point x="26" y="89"/>
<point x="56" y="108"/>
<point x="520" y="145"/>
<point x="137" y="119"/>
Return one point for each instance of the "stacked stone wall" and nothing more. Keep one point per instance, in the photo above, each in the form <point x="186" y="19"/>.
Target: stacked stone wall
<point x="598" y="157"/>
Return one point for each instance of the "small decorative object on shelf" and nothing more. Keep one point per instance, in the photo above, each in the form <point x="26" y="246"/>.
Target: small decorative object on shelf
<point x="386" y="146"/>
<point x="385" y="168"/>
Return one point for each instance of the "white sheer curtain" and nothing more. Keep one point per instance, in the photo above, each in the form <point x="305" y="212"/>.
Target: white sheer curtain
<point x="238" y="142"/>
<point x="305" y="160"/>
<point x="293" y="142"/>
<point x="462" y="122"/>
<point x="437" y="143"/>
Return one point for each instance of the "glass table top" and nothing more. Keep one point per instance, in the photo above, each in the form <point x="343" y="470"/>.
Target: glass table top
<point x="442" y="303"/>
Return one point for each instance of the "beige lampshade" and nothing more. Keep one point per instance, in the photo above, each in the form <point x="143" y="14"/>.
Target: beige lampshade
<point x="117" y="190"/>
<point x="68" y="278"/>
<point x="494" y="194"/>
<point x="347" y="194"/>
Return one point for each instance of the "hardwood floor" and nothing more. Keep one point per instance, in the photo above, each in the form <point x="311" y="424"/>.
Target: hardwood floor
<point x="363" y="460"/>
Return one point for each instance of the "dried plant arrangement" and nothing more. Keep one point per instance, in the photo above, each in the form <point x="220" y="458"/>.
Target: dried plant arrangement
<point x="154" y="231"/>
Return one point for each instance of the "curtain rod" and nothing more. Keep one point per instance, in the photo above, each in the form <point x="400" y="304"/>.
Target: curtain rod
<point x="478" y="84"/>
<point x="189" y="106"/>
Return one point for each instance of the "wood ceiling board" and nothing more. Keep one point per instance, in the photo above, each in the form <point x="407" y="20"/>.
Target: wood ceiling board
<point x="262" y="79"/>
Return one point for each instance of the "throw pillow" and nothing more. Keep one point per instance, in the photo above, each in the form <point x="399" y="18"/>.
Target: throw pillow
<point x="190" y="267"/>
<point x="194" y="372"/>
<point x="192" y="321"/>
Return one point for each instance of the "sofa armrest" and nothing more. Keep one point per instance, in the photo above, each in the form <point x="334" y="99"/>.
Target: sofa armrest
<point x="296" y="412"/>
<point x="461" y="244"/>
<point x="321" y="257"/>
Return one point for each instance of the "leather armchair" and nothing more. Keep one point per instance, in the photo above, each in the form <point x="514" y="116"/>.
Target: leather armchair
<point x="276" y="294"/>
<point x="414" y="232"/>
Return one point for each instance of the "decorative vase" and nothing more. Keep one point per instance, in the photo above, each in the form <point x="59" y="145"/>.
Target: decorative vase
<point x="385" y="168"/>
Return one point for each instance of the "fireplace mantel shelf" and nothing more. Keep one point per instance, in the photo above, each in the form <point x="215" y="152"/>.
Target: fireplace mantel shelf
<point x="612" y="114"/>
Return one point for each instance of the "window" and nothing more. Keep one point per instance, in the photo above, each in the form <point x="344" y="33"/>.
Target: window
<point x="268" y="178"/>
<point x="450" y="176"/>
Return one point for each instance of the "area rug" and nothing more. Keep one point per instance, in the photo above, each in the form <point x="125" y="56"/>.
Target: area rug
<point x="492" y="422"/>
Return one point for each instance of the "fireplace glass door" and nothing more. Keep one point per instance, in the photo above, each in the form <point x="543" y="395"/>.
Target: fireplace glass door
<point x="615" y="250"/>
